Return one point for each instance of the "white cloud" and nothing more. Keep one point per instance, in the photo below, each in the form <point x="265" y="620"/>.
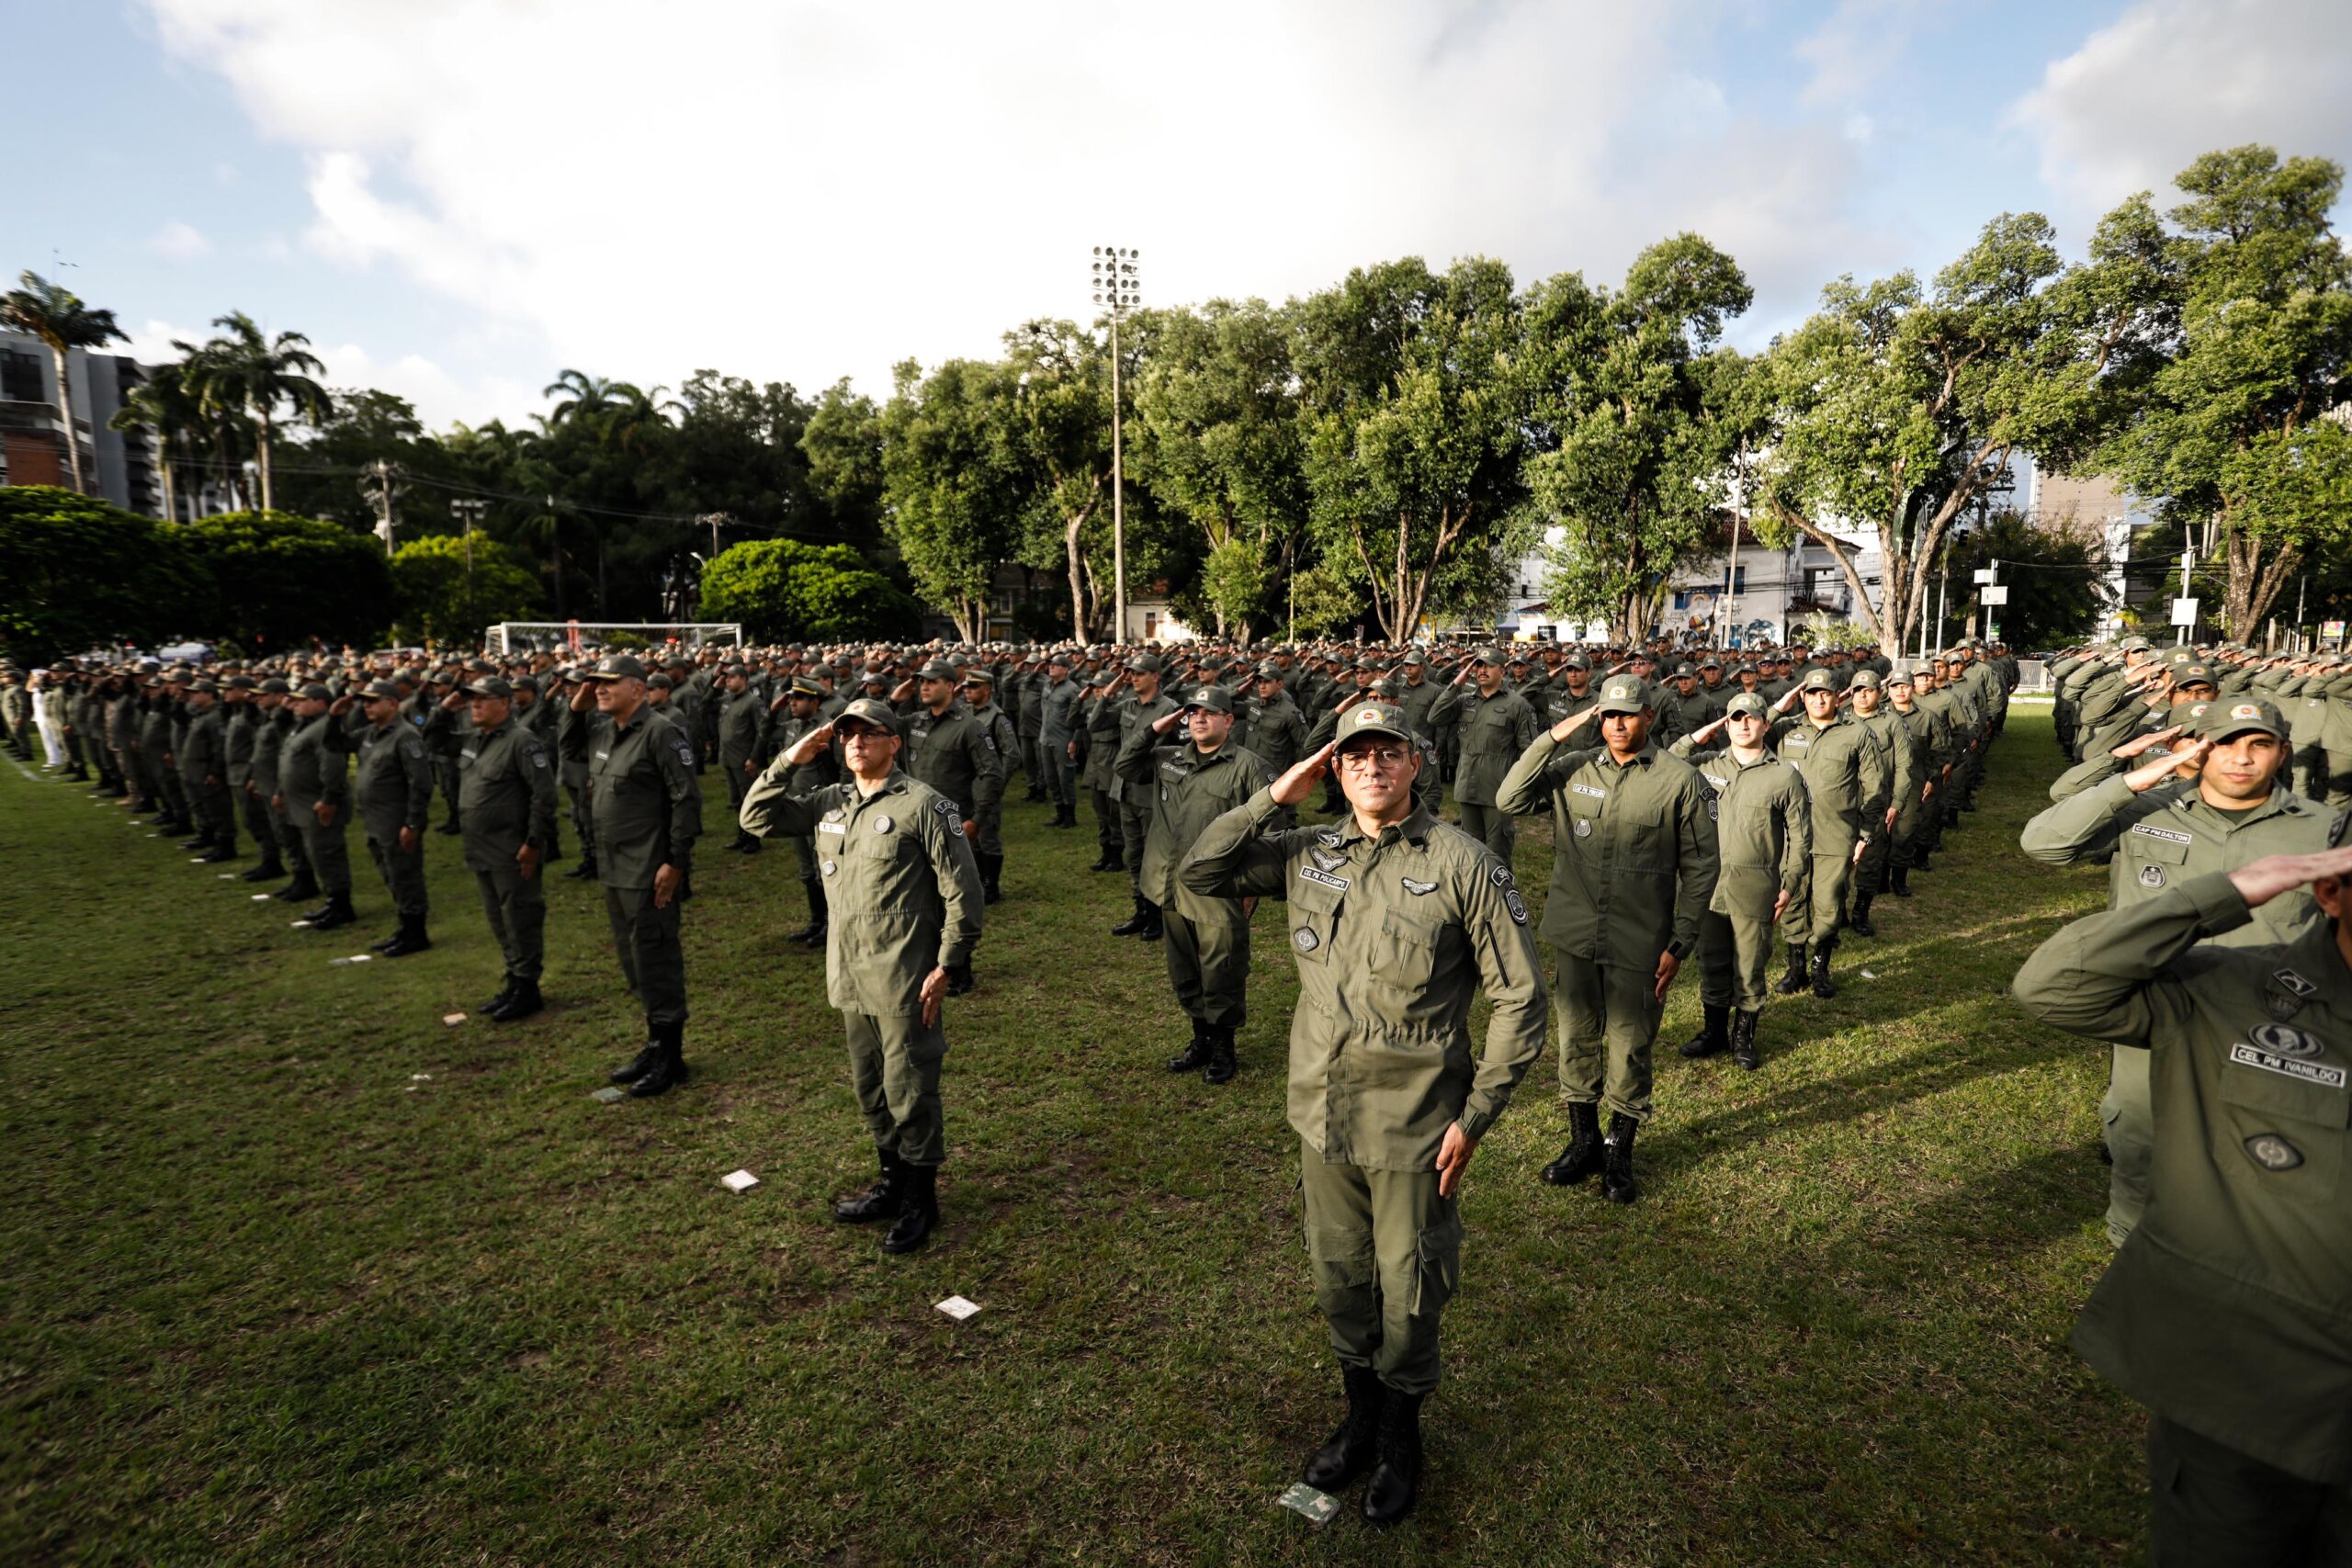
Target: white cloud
<point x="2170" y="79"/>
<point x="800" y="189"/>
<point x="1858" y="46"/>
<point x="176" y="241"/>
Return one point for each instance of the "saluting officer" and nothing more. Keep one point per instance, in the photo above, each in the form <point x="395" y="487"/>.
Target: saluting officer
<point x="803" y="703"/>
<point x="203" y="759"/>
<point x="1004" y="736"/>
<point x="1191" y="783"/>
<point x="1397" y="920"/>
<point x="742" y="741"/>
<point x="1496" y="726"/>
<point x="1834" y="757"/>
<point x="905" y="896"/>
<point x="2226" y="1312"/>
<point x="507" y="803"/>
<point x="648" y="812"/>
<point x="1632" y="870"/>
<point x="951" y="749"/>
<point x="394" y="787"/>
<point x="314" y="794"/>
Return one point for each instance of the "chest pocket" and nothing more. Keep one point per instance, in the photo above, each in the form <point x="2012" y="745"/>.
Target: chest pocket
<point x="2269" y="1119"/>
<point x="1405" y="956"/>
<point x="2164" y="851"/>
<point x="1646" y="834"/>
<point x="1314" y="913"/>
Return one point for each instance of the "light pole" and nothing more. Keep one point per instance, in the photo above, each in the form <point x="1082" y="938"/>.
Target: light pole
<point x="380" y="481"/>
<point x="468" y="511"/>
<point x="1118" y="287"/>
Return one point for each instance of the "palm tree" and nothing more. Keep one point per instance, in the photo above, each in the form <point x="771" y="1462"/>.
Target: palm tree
<point x="54" y="314"/>
<point x="580" y="397"/>
<point x="164" y="404"/>
<point x="250" y="373"/>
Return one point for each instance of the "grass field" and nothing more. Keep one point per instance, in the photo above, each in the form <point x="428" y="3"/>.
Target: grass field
<point x="266" y="1296"/>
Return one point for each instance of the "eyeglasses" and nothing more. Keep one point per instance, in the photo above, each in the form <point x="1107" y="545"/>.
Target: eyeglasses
<point x="1364" y="758"/>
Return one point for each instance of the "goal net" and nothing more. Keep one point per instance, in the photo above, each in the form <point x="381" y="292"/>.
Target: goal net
<point x="575" y="639"/>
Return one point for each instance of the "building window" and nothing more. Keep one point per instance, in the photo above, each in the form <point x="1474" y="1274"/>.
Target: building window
<point x="1150" y="626"/>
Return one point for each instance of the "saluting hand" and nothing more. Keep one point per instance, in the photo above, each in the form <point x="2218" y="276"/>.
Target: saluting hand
<point x="2138" y="744"/>
<point x="1574" y="722"/>
<point x="1700" y="735"/>
<point x="808" y="748"/>
<point x="1165" y="723"/>
<point x="1295" y="785"/>
<point x="2258" y="882"/>
<point x="2148" y="775"/>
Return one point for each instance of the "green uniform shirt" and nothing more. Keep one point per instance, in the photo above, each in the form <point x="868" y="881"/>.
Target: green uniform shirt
<point x="955" y="754"/>
<point x="1494" y="732"/>
<point x="1277" y="733"/>
<point x="647" y="807"/>
<point x="1188" y="791"/>
<point x="2230" y="1308"/>
<point x="311" y="767"/>
<point x="239" y="729"/>
<point x="1835" y="760"/>
<point x="394" y="779"/>
<point x="1763" y="830"/>
<point x="1394" y="936"/>
<point x="505" y="795"/>
<point x="742" y="729"/>
<point x="204" y="751"/>
<point x="1633" y="856"/>
<point x="902" y="888"/>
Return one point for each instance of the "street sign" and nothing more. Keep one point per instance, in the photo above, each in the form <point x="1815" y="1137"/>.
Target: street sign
<point x="2183" y="611"/>
<point x="1987" y="573"/>
<point x="1994" y="593"/>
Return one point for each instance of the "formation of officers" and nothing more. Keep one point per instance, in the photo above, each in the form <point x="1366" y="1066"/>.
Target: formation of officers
<point x="1698" y="807"/>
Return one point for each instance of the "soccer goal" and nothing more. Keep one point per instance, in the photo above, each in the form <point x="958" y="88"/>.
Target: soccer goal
<point x="578" y="638"/>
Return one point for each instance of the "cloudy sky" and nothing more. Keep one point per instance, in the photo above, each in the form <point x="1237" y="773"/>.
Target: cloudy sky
<point x="456" y="198"/>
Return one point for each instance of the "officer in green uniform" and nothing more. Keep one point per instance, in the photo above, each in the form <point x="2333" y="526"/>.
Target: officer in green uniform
<point x="1059" y="700"/>
<point x="1764" y="846"/>
<point x="274" y="726"/>
<point x="647" y="813"/>
<point x="2161" y="828"/>
<point x="1496" y="727"/>
<point x="803" y="705"/>
<point x="1191" y="783"/>
<point x="1892" y="777"/>
<point x="506" y="802"/>
<point x="951" y="749"/>
<point x="1004" y="736"/>
<point x="742" y="741"/>
<point x="1143" y="704"/>
<point x="393" y="787"/>
<point x="906" y="899"/>
<point x="1684" y="709"/>
<point x="2229" y="1311"/>
<point x="314" y="792"/>
<point x="1098" y="737"/>
<point x="203" y="759"/>
<point x="1929" y="737"/>
<point x="1396" y="922"/>
<point x="1634" y="866"/>
<point x="1834" y="757"/>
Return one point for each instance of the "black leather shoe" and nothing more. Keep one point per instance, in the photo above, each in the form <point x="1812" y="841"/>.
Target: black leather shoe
<point x="294" y="892"/>
<point x="1582" y="1156"/>
<point x="505" y="992"/>
<point x="1858" y="922"/>
<point x="1397" y="1476"/>
<point x="267" y="870"/>
<point x="1153" y="927"/>
<point x="669" y="1068"/>
<point x="1222" y="1067"/>
<point x="918" y="1208"/>
<point x="584" y="871"/>
<point x="1134" y="924"/>
<point x="1617" y="1159"/>
<point x="637" y="1065"/>
<point x="411" y="938"/>
<point x="218" y="853"/>
<point x="1356" y="1444"/>
<point x="879" y="1201"/>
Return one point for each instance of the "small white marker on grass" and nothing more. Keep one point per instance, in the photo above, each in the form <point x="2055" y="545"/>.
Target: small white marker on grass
<point x="739" y="1181"/>
<point x="959" y="1308"/>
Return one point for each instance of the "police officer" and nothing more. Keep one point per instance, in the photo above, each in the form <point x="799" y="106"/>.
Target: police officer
<point x="2225" y="1313"/>
<point x="1005" y="738"/>
<point x="1191" y="783"/>
<point x="1098" y="739"/>
<point x="394" y="792"/>
<point x="906" y="895"/>
<point x="951" y="749"/>
<point x="1892" y="777"/>
<point x="1835" y="757"/>
<point x="1058" y="702"/>
<point x="1398" y="921"/>
<point x="1496" y="727"/>
<point x="572" y="754"/>
<point x="742" y="741"/>
<point x="1143" y="704"/>
<point x="803" y="702"/>
<point x="1634" y="867"/>
<point x="314" y="792"/>
<point x="203" y="759"/>
<point x="1764" y="846"/>
<point x="283" y="843"/>
<point x="648" y="812"/>
<point x="507" y="802"/>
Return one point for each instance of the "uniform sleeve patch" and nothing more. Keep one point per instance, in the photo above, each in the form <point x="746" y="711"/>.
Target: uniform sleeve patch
<point x="1516" y="905"/>
<point x="1499" y="875"/>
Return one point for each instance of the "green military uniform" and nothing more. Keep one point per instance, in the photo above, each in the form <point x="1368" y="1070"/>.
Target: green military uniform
<point x="245" y="725"/>
<point x="506" y="799"/>
<point x="955" y="753"/>
<point x="1634" y="866"/>
<point x="273" y="728"/>
<point x="905" y="894"/>
<point x="821" y="771"/>
<point x="2229" y="1311"/>
<point x="1099" y="744"/>
<point x="203" y="759"/>
<point x="1932" y="748"/>
<point x="1136" y="805"/>
<point x="571" y="733"/>
<point x="1893" y="777"/>
<point x="1061" y="701"/>
<point x="1836" y="760"/>
<point x="1394" y="933"/>
<point x="2158" y="838"/>
<point x="1208" y="938"/>
<point x="394" y="790"/>
<point x="1764" y="849"/>
<point x="1003" y="738"/>
<point x="1680" y="713"/>
<point x="742" y="741"/>
<point x="1494" y="732"/>
<point x="311" y="770"/>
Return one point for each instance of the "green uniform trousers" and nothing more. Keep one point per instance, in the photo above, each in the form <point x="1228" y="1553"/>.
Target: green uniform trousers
<point x="1385" y="1254"/>
<point x="1106" y="820"/>
<point x="651" y="958"/>
<point x="1208" y="956"/>
<point x="2129" y="1123"/>
<point x="516" y="906"/>
<point x="1063" y="772"/>
<point x="2212" y="1506"/>
<point x="894" y="1069"/>
<point x="1497" y="830"/>
<point x="1608" y="1019"/>
<point x="330" y="856"/>
<point x="1832" y="876"/>
<point x="254" y="807"/>
<point x="1134" y="822"/>
<point x="216" y="810"/>
<point x="1734" y="961"/>
<point x="403" y="875"/>
<point x="1870" y="874"/>
<point x="987" y="838"/>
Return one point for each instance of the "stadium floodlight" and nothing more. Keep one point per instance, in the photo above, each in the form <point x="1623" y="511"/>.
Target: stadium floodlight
<point x="1116" y="280"/>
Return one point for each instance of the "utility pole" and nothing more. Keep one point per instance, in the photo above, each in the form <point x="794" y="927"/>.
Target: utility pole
<point x="468" y="511"/>
<point x="1117" y="287"/>
<point x="380" y="481"/>
<point x="2187" y="562"/>
<point x="712" y="520"/>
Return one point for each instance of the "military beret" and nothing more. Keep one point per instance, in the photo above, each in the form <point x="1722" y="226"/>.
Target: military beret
<point x="490" y="686"/>
<point x="867" y="710"/>
<point x="615" y="667"/>
<point x="1624" y="693"/>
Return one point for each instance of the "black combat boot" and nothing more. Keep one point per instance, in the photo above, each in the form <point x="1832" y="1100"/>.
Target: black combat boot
<point x="270" y="870"/>
<point x="1617" y="1166"/>
<point x="1858" y="922"/>
<point x="960" y="981"/>
<point x="1154" y="928"/>
<point x="410" y="938"/>
<point x="879" y="1201"/>
<point x="1582" y="1156"/>
<point x="585" y="871"/>
<point x="525" y="1001"/>
<point x="1065" y="815"/>
<point x="1194" y="1056"/>
<point x="991" y="868"/>
<point x="642" y="1063"/>
<point x="450" y="827"/>
<point x="1921" y="856"/>
<point x="1823" y="987"/>
<point x="917" y="1209"/>
<point x="1388" y="1496"/>
<point x="1102" y="862"/>
<point x="1743" y="1039"/>
<point x="669" y="1066"/>
<point x="337" y="912"/>
<point x="1134" y="924"/>
<point x="1790" y="983"/>
<point x="219" y="852"/>
<point x="1116" y="859"/>
<point x="387" y="942"/>
<point x="1354" y="1447"/>
<point x="1711" y="1036"/>
<point x="1222" y="1067"/>
<point x="304" y="885"/>
<point x="813" y="933"/>
<point x="1899" y="882"/>
<point x="505" y="994"/>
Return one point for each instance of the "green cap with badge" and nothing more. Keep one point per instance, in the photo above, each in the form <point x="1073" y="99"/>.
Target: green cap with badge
<point x="1818" y="681"/>
<point x="868" y="711"/>
<point x="1212" y="699"/>
<point x="1747" y="702"/>
<point x="2244" y="715"/>
<point x="1372" y="718"/>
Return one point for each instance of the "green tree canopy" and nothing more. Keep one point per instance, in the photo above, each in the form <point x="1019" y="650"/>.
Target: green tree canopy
<point x="80" y="573"/>
<point x="955" y="483"/>
<point x="438" y="596"/>
<point x="281" y="581"/>
<point x="782" y="589"/>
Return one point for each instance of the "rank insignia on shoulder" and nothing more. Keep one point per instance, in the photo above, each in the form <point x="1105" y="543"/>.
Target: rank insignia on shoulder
<point x="1328" y="859"/>
<point x="1499" y="875"/>
<point x="2295" y="983"/>
<point x="1327" y="837"/>
<point x="1417" y="888"/>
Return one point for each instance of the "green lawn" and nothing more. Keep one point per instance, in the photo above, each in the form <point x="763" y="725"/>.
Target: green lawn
<point x="266" y="1296"/>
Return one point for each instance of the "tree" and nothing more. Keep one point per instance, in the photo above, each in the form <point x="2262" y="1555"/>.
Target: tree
<point x="1217" y="422"/>
<point x="2241" y="323"/>
<point x="1896" y="407"/>
<point x="1639" y="423"/>
<point x="54" y="314"/>
<point x="253" y="375"/>
<point x="81" y="573"/>
<point x="843" y="443"/>
<point x="783" y="590"/>
<point x="2052" y="578"/>
<point x="281" y="581"/>
<point x="955" y="483"/>
<point x="162" y="403"/>
<point x="1063" y="377"/>
<point x="444" y="590"/>
<point x="1415" y="434"/>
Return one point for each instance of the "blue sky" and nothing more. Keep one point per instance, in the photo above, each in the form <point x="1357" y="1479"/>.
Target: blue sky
<point x="456" y="198"/>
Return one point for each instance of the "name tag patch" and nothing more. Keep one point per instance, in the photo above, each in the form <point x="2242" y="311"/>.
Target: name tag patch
<point x="1593" y="790"/>
<point x="831" y="827"/>
<point x="2246" y="1056"/>
<point x="1315" y="874"/>
<point x="2167" y="834"/>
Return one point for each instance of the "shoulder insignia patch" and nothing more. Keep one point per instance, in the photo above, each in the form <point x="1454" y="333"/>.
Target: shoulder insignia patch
<point x="1499" y="875"/>
<point x="1328" y="859"/>
<point x="2295" y="983"/>
<point x="1516" y="905"/>
<point x="2285" y="1040"/>
<point x="1327" y="837"/>
<point x="1417" y="888"/>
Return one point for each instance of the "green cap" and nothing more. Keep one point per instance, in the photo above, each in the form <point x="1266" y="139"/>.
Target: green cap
<point x="615" y="667"/>
<point x="2222" y="720"/>
<point x="1216" y="699"/>
<point x="1868" y="678"/>
<point x="1817" y="681"/>
<point x="865" y="710"/>
<point x="1623" y="694"/>
<point x="1747" y="701"/>
<point x="1372" y="717"/>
